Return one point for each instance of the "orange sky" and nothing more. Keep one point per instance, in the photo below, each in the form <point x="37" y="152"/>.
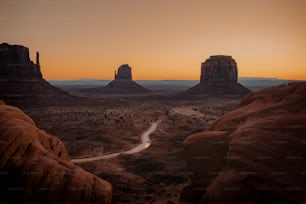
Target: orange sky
<point x="159" y="39"/>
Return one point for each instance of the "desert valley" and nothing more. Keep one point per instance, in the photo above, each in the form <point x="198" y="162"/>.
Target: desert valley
<point x="215" y="142"/>
<point x="157" y="174"/>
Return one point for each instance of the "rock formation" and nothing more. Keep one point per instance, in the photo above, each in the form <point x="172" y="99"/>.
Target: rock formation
<point x="35" y="166"/>
<point x="219" y="69"/>
<point x="124" y="73"/>
<point x="254" y="154"/>
<point x="15" y="62"/>
<point x="123" y="84"/>
<point x="21" y="79"/>
<point x="219" y="75"/>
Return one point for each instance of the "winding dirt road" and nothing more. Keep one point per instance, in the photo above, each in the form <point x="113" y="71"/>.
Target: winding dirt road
<point x="145" y="143"/>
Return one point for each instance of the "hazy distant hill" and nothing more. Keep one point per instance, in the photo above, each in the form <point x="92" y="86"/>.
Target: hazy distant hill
<point x="258" y="83"/>
<point x="170" y="85"/>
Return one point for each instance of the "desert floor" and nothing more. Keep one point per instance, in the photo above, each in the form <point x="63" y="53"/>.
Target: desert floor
<point x="109" y="125"/>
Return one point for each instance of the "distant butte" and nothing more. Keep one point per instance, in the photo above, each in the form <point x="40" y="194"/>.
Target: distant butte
<point x="123" y="81"/>
<point x="124" y="73"/>
<point x="219" y="75"/>
<point x="21" y="79"/>
<point x="122" y="84"/>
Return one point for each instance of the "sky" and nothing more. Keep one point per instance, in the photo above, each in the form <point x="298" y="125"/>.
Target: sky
<point x="159" y="39"/>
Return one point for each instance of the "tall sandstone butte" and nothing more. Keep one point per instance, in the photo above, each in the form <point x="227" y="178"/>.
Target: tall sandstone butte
<point x="219" y="76"/>
<point x="219" y="69"/>
<point x="21" y="79"/>
<point x="15" y="62"/>
<point x="124" y="73"/>
<point x="122" y="84"/>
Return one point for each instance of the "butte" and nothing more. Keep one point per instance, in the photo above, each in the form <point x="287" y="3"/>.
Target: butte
<point x="21" y="80"/>
<point x="219" y="75"/>
<point x="122" y="84"/>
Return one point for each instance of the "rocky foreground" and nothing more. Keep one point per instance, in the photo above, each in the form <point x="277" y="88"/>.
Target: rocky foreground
<point x="35" y="166"/>
<point x="256" y="153"/>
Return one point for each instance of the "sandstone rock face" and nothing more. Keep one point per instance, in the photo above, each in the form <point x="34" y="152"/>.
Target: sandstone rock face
<point x="254" y="154"/>
<point x="124" y="73"/>
<point x="15" y="61"/>
<point x="21" y="79"/>
<point x="35" y="166"/>
<point x="219" y="75"/>
<point x="219" y="69"/>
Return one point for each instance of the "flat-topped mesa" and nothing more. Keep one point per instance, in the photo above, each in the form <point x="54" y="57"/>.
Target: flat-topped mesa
<point x="124" y="73"/>
<point x="219" y="77"/>
<point x="15" y="62"/>
<point x="219" y="68"/>
<point x="123" y="83"/>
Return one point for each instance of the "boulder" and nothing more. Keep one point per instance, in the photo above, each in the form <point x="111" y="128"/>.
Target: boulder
<point x="202" y="148"/>
<point x="264" y="158"/>
<point x="35" y="166"/>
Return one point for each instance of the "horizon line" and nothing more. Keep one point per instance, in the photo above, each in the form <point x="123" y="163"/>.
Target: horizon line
<point x="100" y="79"/>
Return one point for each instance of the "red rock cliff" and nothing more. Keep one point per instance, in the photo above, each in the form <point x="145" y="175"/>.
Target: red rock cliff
<point x="35" y="166"/>
<point x="256" y="153"/>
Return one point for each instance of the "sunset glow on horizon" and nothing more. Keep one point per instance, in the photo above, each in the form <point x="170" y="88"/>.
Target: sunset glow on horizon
<point x="160" y="39"/>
